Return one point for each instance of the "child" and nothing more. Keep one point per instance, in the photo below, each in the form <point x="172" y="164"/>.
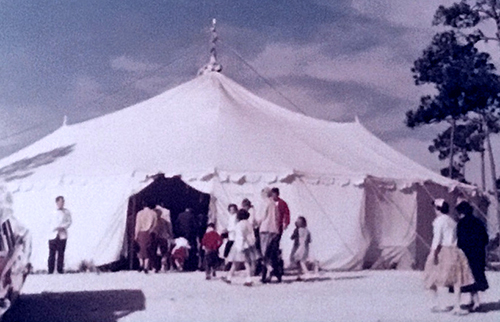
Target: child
<point x="300" y="252"/>
<point x="243" y="248"/>
<point x="180" y="252"/>
<point x="211" y="242"/>
<point x="231" y="223"/>
<point x="446" y="265"/>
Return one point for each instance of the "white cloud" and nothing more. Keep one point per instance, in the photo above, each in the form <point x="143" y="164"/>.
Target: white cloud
<point x="130" y="65"/>
<point x="377" y="68"/>
<point x="414" y="13"/>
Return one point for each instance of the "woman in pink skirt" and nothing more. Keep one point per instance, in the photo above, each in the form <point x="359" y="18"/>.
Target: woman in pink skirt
<point x="446" y="265"/>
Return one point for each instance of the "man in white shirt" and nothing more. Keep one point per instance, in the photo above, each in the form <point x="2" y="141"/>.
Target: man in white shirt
<point x="59" y="224"/>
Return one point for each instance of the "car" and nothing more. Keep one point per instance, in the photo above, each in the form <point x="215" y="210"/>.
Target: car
<point x="15" y="252"/>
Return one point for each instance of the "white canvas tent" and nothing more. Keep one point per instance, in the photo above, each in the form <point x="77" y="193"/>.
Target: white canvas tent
<point x="365" y="202"/>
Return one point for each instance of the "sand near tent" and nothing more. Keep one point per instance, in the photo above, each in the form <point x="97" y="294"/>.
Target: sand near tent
<point x="130" y="296"/>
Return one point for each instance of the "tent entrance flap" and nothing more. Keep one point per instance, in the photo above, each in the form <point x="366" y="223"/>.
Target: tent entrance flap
<point x="171" y="193"/>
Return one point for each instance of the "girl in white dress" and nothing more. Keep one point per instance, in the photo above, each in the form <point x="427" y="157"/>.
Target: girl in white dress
<point x="243" y="247"/>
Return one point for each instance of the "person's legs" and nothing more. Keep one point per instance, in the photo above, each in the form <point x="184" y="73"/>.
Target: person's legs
<point x="207" y="265"/>
<point x="265" y="244"/>
<point x="303" y="268"/>
<point x="52" y="255"/>
<point x="61" y="248"/>
<point x="476" y="303"/>
<point x="229" y="275"/>
<point x="248" y="272"/>
<point x="458" y="294"/>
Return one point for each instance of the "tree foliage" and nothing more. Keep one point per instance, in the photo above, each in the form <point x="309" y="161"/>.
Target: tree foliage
<point x="462" y="75"/>
<point x="467" y="16"/>
<point x="468" y="137"/>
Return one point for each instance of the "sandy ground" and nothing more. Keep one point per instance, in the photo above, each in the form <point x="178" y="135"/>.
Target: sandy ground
<point x="131" y="296"/>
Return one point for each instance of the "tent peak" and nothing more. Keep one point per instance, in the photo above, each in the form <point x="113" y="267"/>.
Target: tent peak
<point x="213" y="65"/>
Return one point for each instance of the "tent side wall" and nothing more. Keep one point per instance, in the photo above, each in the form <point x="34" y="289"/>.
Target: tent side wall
<point x="334" y="210"/>
<point x="97" y="206"/>
<point x="391" y="220"/>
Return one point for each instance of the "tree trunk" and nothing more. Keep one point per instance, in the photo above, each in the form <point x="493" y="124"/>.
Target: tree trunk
<point x="452" y="152"/>
<point x="493" y="171"/>
<point x="483" y="172"/>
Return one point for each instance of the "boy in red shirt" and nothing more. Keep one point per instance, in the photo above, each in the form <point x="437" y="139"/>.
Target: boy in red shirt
<point x="211" y="242"/>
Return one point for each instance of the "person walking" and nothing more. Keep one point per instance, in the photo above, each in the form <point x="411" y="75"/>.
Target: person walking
<point x="270" y="235"/>
<point x="283" y="212"/>
<point x="145" y="222"/>
<point x="211" y="243"/>
<point x="472" y="239"/>
<point x="187" y="227"/>
<point x="247" y="205"/>
<point x="163" y="238"/>
<point x="446" y="265"/>
<point x="243" y="248"/>
<point x="60" y="221"/>
<point x="232" y="209"/>
<point x="300" y="251"/>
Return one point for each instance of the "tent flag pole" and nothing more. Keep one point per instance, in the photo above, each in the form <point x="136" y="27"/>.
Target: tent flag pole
<point x="213" y="65"/>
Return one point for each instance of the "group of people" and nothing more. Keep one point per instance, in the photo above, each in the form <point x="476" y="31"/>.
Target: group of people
<point x="457" y="259"/>
<point x="252" y="239"/>
<point x="254" y="236"/>
<point x="456" y="262"/>
<point x="154" y="238"/>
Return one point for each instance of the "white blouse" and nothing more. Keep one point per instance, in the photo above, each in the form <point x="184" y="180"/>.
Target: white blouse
<point x="444" y="231"/>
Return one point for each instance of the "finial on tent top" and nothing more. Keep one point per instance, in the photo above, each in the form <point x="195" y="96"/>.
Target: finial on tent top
<point x="65" y="120"/>
<point x="213" y="65"/>
<point x="356" y="119"/>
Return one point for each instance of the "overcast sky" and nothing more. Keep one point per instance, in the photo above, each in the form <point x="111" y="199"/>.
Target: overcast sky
<point x="334" y="59"/>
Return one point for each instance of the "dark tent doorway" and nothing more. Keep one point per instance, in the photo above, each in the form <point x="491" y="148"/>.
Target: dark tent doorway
<point x="175" y="195"/>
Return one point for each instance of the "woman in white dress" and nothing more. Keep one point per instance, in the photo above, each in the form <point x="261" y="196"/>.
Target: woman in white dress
<point x="446" y="265"/>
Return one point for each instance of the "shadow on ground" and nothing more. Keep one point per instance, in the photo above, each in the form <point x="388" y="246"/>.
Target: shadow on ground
<point x="308" y="280"/>
<point x="103" y="306"/>
<point x="489" y="307"/>
<point x="349" y="277"/>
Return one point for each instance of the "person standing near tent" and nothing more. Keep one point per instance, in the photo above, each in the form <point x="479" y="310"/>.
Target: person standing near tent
<point x="283" y="212"/>
<point x="232" y="209"/>
<point x="300" y="251"/>
<point x="59" y="224"/>
<point x="211" y="243"/>
<point x="145" y="222"/>
<point x="472" y="239"/>
<point x="163" y="238"/>
<point x="252" y="219"/>
<point x="270" y="234"/>
<point x="243" y="249"/>
<point x="446" y="265"/>
<point x="187" y="227"/>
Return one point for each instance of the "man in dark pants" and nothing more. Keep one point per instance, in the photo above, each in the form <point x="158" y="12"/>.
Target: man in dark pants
<point x="187" y="227"/>
<point x="60" y="222"/>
